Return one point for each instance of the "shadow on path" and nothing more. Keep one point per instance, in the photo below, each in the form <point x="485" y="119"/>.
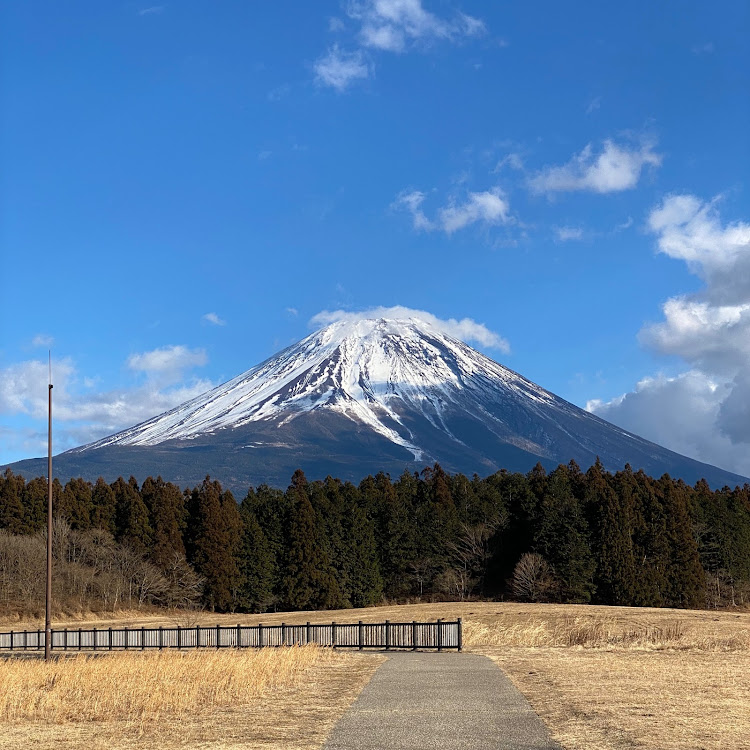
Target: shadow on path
<point x="427" y="701"/>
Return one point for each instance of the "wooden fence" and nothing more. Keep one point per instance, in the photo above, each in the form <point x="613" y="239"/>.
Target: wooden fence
<point x="386" y="635"/>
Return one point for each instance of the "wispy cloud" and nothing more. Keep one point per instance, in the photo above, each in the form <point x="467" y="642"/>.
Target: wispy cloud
<point x="614" y="168"/>
<point x="213" y="318"/>
<point x="706" y="48"/>
<point x="336" y="25"/>
<point x="387" y="26"/>
<point x="293" y="311"/>
<point x="42" y="340"/>
<point x="466" y="329"/>
<point x="488" y="207"/>
<point x="151" y="11"/>
<point x="566" y="234"/>
<point x="339" y="69"/>
<point x="593" y="105"/>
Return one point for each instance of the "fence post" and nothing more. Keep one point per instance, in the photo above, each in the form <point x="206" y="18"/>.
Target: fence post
<point x="414" y="635"/>
<point x="333" y="634"/>
<point x="283" y="634"/>
<point x="110" y="639"/>
<point x="179" y="637"/>
<point x="65" y="639"/>
<point x="387" y="635"/>
<point x="218" y="634"/>
<point x="308" y="633"/>
<point x="197" y="636"/>
<point x="79" y="638"/>
<point x="94" y="639"/>
<point x="25" y="640"/>
<point x="11" y="640"/>
<point x="127" y="638"/>
<point x="161" y="637"/>
<point x="360" y="637"/>
<point x="260" y="635"/>
<point x="440" y="635"/>
<point x="143" y="637"/>
<point x="239" y="635"/>
<point x="460" y="636"/>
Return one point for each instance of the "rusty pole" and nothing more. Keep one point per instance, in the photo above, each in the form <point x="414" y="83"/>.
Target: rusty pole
<point x="48" y="593"/>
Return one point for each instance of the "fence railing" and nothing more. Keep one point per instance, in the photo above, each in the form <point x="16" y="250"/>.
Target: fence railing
<point x="386" y="635"/>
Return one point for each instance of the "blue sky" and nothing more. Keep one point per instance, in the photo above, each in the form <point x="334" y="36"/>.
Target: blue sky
<point x="185" y="186"/>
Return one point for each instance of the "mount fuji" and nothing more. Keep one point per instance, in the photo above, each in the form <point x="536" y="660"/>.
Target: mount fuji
<point x="362" y="396"/>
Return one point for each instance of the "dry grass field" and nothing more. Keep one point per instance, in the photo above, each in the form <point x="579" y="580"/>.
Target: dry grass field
<point x="602" y="678"/>
<point x="274" y="698"/>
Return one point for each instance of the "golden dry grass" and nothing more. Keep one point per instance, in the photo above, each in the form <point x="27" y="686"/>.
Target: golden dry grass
<point x="280" y="698"/>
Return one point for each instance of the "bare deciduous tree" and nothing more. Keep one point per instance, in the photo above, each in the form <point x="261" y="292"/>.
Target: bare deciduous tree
<point x="532" y="578"/>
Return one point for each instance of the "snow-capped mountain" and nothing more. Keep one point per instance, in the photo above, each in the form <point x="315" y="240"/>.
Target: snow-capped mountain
<point x="360" y="396"/>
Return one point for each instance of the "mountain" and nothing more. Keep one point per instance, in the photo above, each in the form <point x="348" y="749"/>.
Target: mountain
<point x="363" y="396"/>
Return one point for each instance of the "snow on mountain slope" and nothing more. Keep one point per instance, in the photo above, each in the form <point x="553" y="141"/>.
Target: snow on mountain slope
<point x="372" y="371"/>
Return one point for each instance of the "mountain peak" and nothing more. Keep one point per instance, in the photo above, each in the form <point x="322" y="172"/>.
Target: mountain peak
<point x="381" y="393"/>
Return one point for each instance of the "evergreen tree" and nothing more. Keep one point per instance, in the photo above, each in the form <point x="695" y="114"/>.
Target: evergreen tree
<point x="365" y="581"/>
<point x="167" y="516"/>
<point x="35" y="495"/>
<point x="256" y="565"/>
<point x="76" y="504"/>
<point x="103" y="507"/>
<point x="12" y="516"/>
<point x="213" y="543"/>
<point x="650" y="544"/>
<point x="562" y="538"/>
<point x="686" y="584"/>
<point x="615" y="570"/>
<point x="309" y="581"/>
<point x="131" y="516"/>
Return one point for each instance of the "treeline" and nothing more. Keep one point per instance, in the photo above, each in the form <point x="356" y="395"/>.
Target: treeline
<point x="564" y="536"/>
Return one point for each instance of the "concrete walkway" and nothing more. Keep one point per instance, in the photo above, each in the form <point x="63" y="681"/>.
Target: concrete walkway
<point x="430" y="701"/>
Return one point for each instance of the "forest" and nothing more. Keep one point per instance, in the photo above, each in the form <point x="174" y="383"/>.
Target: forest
<point x="570" y="536"/>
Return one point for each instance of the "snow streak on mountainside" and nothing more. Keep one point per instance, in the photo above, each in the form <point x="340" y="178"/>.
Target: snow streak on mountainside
<point x="371" y="371"/>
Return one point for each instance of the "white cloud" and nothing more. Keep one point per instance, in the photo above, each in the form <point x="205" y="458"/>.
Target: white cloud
<point x="391" y="24"/>
<point x="465" y="329"/>
<point x="293" y="311"/>
<point x="167" y="364"/>
<point x="213" y="318"/>
<point x="683" y="414"/>
<point x="565" y="234"/>
<point x="387" y="26"/>
<point x="152" y="11"/>
<point x="339" y="69"/>
<point x="704" y="412"/>
<point x="42" y="340"/>
<point x="613" y="169"/>
<point x="489" y="207"/>
<point x="412" y="202"/>
<point x="80" y="413"/>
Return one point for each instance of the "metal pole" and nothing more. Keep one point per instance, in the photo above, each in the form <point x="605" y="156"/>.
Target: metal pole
<point x="48" y="593"/>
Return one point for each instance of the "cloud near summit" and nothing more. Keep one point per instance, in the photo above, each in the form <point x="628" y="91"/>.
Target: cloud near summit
<point x="466" y="329"/>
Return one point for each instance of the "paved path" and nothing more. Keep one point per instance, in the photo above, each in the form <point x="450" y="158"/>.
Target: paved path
<point x="429" y="701"/>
